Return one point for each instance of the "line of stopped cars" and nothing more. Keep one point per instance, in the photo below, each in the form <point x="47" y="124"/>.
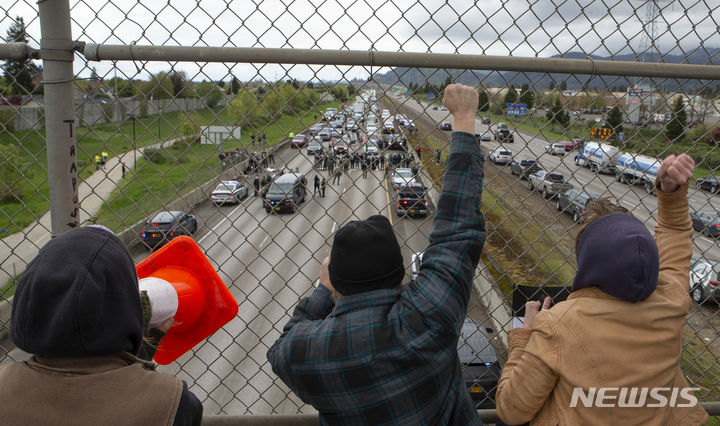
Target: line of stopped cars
<point x="630" y="169"/>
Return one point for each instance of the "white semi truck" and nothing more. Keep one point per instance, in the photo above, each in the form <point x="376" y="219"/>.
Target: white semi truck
<point x="599" y="157"/>
<point x="636" y="169"/>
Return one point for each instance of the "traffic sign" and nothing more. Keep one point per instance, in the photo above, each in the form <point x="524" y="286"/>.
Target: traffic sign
<point x="431" y="96"/>
<point x="516" y="109"/>
<point x="601" y="132"/>
<point x="621" y="136"/>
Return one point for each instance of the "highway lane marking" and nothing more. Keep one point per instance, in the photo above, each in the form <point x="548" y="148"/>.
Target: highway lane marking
<point x="344" y="189"/>
<point x="212" y="230"/>
<point x="708" y="241"/>
<point x="333" y="227"/>
<point x="263" y="241"/>
<point x="387" y="193"/>
<point x="627" y="203"/>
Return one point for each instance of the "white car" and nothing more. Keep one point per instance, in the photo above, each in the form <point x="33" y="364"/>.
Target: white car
<point x="229" y="191"/>
<point x="370" y="129"/>
<point x="416" y="261"/>
<point x="500" y="156"/>
<point x="371" y="149"/>
<point x="555" y="149"/>
<point x="402" y="177"/>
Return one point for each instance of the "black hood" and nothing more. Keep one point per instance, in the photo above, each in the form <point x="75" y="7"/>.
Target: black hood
<point x="617" y="254"/>
<point x="78" y="297"/>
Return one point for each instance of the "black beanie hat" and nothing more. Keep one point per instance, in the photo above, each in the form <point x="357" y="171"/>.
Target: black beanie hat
<point x="365" y="256"/>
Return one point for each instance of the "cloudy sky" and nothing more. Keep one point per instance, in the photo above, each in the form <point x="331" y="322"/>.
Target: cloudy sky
<point x="496" y="27"/>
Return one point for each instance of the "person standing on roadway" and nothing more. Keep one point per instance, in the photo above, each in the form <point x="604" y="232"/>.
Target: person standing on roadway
<point x="620" y="331"/>
<point x="365" y="349"/>
<point x="316" y="186"/>
<point x="322" y="187"/>
<point x="256" y="184"/>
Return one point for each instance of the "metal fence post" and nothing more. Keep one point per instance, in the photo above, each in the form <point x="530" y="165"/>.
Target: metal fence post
<point x="57" y="55"/>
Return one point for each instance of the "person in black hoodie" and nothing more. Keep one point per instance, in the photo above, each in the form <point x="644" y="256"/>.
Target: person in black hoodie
<point x="78" y="310"/>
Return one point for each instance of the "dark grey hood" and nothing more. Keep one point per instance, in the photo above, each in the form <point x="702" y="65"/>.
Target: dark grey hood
<point x="79" y="297"/>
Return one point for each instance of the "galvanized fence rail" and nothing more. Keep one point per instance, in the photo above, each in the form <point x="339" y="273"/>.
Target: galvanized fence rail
<point x="183" y="95"/>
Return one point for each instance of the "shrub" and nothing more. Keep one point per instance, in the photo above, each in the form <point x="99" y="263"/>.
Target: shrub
<point x="156" y="155"/>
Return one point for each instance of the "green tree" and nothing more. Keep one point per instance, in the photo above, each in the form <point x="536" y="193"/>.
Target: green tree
<point x="340" y="92"/>
<point x="234" y="86"/>
<point x="557" y="114"/>
<point x="179" y="82"/>
<point x="245" y="108"/>
<point x="511" y="95"/>
<point x="292" y="98"/>
<point x="18" y="73"/>
<point x="210" y="92"/>
<point x="675" y="129"/>
<point x="273" y="104"/>
<point x="614" y="120"/>
<point x="12" y="176"/>
<point x="527" y="96"/>
<point x="483" y="100"/>
<point x="158" y="87"/>
<point x="191" y="125"/>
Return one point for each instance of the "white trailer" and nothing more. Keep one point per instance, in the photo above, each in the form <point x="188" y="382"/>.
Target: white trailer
<point x="636" y="169"/>
<point x="599" y="157"/>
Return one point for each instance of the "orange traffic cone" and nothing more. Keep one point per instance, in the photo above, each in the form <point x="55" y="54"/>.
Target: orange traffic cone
<point x="203" y="303"/>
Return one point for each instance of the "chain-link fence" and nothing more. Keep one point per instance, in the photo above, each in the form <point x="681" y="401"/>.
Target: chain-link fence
<point x="593" y="94"/>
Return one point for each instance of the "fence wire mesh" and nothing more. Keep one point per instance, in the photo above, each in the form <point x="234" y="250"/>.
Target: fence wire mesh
<point x="156" y="137"/>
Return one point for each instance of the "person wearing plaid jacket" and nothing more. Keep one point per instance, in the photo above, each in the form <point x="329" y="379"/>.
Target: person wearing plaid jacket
<point x="364" y="349"/>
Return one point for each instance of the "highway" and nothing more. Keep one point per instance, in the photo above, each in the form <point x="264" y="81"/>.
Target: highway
<point x="270" y="261"/>
<point x="634" y="198"/>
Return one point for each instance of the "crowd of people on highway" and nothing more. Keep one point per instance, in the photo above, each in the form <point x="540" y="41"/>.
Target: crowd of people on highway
<point x="364" y="348"/>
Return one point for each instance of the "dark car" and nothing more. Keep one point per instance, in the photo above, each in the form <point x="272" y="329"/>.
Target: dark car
<point x="485" y="121"/>
<point x="315" y="128"/>
<point x="445" y="125"/>
<point x="325" y="134"/>
<point x="298" y="141"/>
<point x="412" y="200"/>
<point x="480" y="368"/>
<point x="396" y="142"/>
<point x="574" y="202"/>
<point x="709" y="183"/>
<point x="167" y="225"/>
<point x="315" y="147"/>
<point x="524" y="167"/>
<point x="285" y="193"/>
<point x="707" y="222"/>
<point x="504" y="135"/>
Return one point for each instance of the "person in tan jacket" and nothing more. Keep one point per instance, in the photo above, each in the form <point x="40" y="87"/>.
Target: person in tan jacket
<point x="610" y="353"/>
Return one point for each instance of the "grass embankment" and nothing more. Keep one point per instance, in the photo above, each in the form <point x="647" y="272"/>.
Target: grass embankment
<point x="114" y="138"/>
<point x="186" y="166"/>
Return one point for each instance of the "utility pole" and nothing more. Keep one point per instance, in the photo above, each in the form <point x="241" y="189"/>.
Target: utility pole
<point x="57" y="54"/>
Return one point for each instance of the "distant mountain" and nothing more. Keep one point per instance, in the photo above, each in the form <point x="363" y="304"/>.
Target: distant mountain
<point x="405" y="76"/>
